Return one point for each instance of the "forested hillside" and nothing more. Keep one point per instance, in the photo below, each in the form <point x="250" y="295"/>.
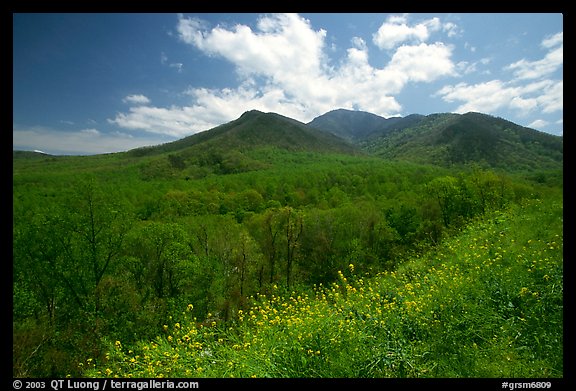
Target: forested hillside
<point x="454" y="139"/>
<point x="447" y="139"/>
<point x="256" y="244"/>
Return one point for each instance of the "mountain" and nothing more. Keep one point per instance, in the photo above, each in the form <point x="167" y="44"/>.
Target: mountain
<point x="231" y="147"/>
<point x="444" y="139"/>
<point x="355" y="125"/>
<point x="448" y="139"/>
<point x="349" y="124"/>
<point x="257" y="129"/>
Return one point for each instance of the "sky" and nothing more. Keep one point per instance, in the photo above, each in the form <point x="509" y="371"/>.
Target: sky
<point x="94" y="83"/>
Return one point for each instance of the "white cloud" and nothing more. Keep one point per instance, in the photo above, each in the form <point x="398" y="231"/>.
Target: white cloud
<point x="82" y="142"/>
<point x="452" y="30"/>
<point x="552" y="99"/>
<point x="483" y="97"/>
<point x="190" y="30"/>
<point x="524" y="69"/>
<point x="395" y="31"/>
<point x="552" y="61"/>
<point x="281" y="42"/>
<point x="538" y="124"/>
<point x="469" y="47"/>
<point x="423" y="62"/>
<point x="137" y="99"/>
<point x="173" y="121"/>
<point x="530" y="89"/>
<point x="211" y="108"/>
<point x="359" y="43"/>
<point x="90" y="131"/>
<point x="289" y="58"/>
<point x="546" y="95"/>
<point x="177" y="65"/>
<point x="556" y="39"/>
<point x="466" y="67"/>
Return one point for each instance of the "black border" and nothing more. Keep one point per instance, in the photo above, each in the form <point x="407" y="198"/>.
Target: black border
<point x="374" y="6"/>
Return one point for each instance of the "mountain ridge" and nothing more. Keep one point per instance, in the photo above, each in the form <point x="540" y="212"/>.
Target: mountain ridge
<point x="350" y="124"/>
<point x="255" y="128"/>
<point x="448" y="138"/>
<point x="444" y="139"/>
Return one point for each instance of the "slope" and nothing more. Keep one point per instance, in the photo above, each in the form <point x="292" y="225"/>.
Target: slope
<point x="355" y="125"/>
<point x="256" y="129"/>
<point x="454" y="139"/>
<point x="348" y="124"/>
<point x="233" y="147"/>
<point x="461" y="311"/>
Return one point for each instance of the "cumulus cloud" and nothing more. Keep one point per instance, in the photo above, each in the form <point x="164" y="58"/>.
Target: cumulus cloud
<point x="173" y="121"/>
<point x="423" y="62"/>
<point x="395" y="30"/>
<point x="290" y="60"/>
<point x="546" y="95"/>
<point x="554" y="40"/>
<point x="466" y="67"/>
<point x="530" y="88"/>
<point x="524" y="69"/>
<point x="280" y="42"/>
<point x="554" y="59"/>
<point x="136" y="99"/>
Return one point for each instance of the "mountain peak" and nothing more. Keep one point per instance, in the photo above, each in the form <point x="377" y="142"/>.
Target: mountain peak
<point x="251" y="114"/>
<point x="256" y="129"/>
<point x="348" y="124"/>
<point x="355" y="125"/>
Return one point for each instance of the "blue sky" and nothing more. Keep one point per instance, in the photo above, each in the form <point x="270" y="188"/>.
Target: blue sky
<point x="99" y="83"/>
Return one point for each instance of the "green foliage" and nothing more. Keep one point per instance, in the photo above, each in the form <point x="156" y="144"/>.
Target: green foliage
<point x="486" y="303"/>
<point x="113" y="247"/>
<point x="453" y="139"/>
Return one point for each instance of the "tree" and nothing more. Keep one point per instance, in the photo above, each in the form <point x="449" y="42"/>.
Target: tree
<point x="36" y="255"/>
<point x="176" y="161"/>
<point x="266" y="229"/>
<point x="446" y="192"/>
<point x="159" y="250"/>
<point x="62" y="254"/>
<point x="404" y="219"/>
<point x="294" y="227"/>
<point x="491" y="190"/>
<point x="97" y="225"/>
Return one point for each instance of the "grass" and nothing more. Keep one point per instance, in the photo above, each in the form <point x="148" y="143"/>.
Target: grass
<point x="486" y="303"/>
